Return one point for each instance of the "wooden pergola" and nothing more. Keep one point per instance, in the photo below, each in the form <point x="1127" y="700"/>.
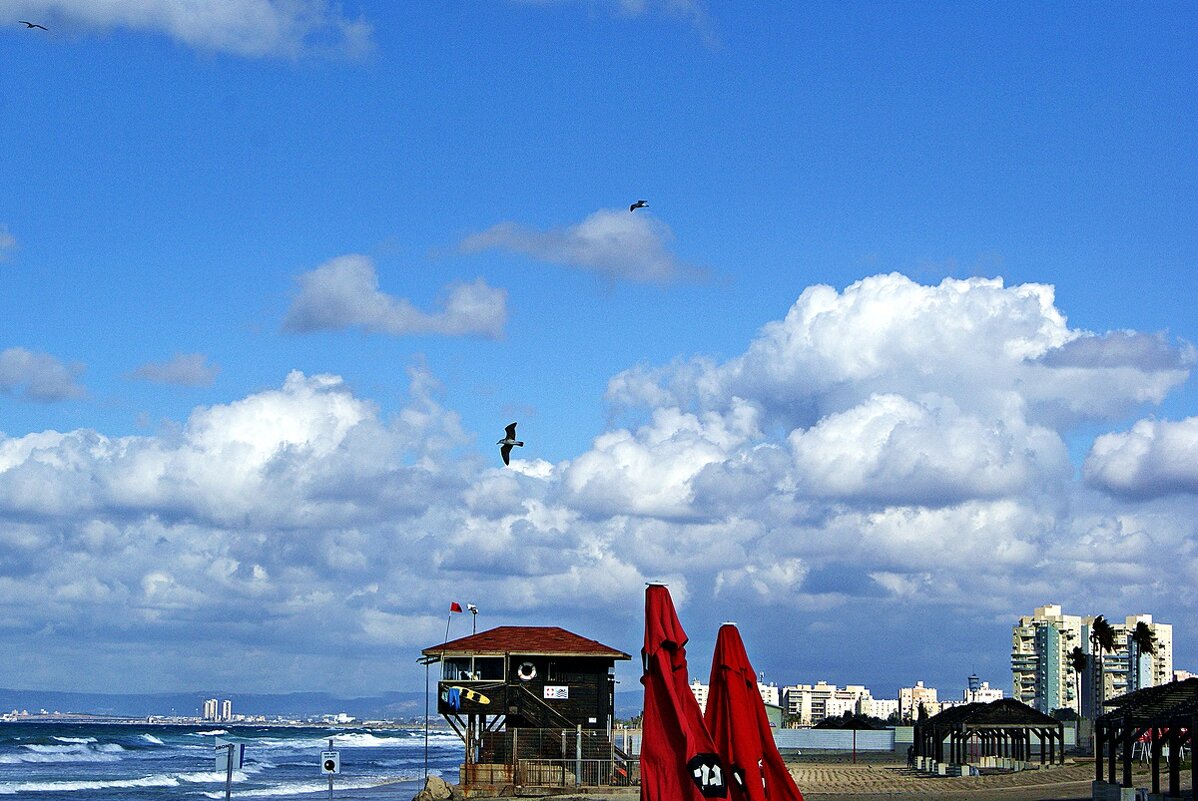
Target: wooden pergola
<point x="1001" y="728"/>
<point x="1160" y="717"/>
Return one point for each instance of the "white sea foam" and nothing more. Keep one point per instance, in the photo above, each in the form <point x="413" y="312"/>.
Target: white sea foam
<point x="78" y="752"/>
<point x="210" y="776"/>
<point x="76" y="739"/>
<point x="158" y="780"/>
<point x="149" y="738"/>
<point x="154" y="780"/>
<point x="301" y="788"/>
<point x="213" y="733"/>
<point x="365" y="740"/>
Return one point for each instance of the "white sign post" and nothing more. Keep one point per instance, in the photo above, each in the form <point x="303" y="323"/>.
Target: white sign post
<point x="226" y="754"/>
<point x="330" y="763"/>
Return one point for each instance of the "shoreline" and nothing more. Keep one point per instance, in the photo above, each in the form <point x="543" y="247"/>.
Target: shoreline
<point x="887" y="778"/>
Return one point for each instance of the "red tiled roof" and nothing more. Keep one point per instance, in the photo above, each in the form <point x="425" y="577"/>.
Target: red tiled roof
<point x="530" y="640"/>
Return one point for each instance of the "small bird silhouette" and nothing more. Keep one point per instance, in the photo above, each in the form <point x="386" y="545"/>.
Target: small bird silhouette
<point x="508" y="441"/>
<point x="28" y="24"/>
<point x="640" y="204"/>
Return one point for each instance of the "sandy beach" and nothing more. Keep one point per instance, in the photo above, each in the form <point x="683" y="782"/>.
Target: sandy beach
<point x="885" y="780"/>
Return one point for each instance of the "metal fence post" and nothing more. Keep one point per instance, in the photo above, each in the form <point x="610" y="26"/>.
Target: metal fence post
<point x="578" y="756"/>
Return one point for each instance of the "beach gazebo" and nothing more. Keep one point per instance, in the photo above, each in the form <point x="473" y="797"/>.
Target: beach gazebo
<point x="533" y="705"/>
<point x="1162" y="718"/>
<point x="1001" y="729"/>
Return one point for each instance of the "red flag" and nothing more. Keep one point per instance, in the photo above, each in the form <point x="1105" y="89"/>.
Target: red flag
<point x="455" y="607"/>
<point x="738" y="724"/>
<point x="678" y="758"/>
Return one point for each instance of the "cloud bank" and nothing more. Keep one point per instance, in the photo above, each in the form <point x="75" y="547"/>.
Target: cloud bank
<point x="884" y="455"/>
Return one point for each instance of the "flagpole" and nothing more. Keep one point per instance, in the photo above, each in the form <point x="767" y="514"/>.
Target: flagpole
<point x="447" y="626"/>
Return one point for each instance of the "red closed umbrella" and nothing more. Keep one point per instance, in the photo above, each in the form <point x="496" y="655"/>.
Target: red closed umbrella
<point x="678" y="759"/>
<point x="738" y="724"/>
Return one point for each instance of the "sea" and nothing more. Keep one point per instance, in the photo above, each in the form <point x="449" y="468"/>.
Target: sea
<point x="151" y="762"/>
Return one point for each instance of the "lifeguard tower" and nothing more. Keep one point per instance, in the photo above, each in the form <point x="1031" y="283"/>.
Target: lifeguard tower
<point x="534" y="707"/>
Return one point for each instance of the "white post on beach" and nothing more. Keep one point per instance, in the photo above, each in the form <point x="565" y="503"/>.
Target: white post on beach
<point x="330" y="763"/>
<point x="230" y="749"/>
<point x="228" y="771"/>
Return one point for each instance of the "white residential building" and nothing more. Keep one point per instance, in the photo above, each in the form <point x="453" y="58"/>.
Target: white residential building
<point x="982" y="693"/>
<point x="881" y="708"/>
<point x="807" y="702"/>
<point x="210" y="709"/>
<point x="226" y="710"/>
<point x="1042" y="669"/>
<point x="811" y="703"/>
<point x="770" y="693"/>
<point x="1042" y="673"/>
<point x="699" y="690"/>
<point x="912" y="698"/>
<point x="1127" y="668"/>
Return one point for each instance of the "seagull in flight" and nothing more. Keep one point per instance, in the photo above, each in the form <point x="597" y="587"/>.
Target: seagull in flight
<point x="28" y="24"/>
<point x="640" y="204"/>
<point x="508" y="441"/>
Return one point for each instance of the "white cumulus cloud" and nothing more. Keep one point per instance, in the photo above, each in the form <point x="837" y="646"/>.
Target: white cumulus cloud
<point x="613" y="243"/>
<point x="891" y="449"/>
<point x="37" y="376"/>
<point x="1153" y="459"/>
<point x="247" y="27"/>
<point x="183" y="369"/>
<point x="975" y="341"/>
<point x="344" y="293"/>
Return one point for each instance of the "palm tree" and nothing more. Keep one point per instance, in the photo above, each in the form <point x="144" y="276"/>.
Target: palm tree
<point x="1102" y="639"/>
<point x="1078" y="661"/>
<point x="1145" y="642"/>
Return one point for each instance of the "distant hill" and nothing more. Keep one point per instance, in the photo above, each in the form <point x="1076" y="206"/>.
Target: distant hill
<point x="388" y="705"/>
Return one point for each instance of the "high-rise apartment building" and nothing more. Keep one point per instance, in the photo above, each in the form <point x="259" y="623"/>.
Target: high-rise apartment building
<point x="1043" y="675"/>
<point x="226" y="710"/>
<point x="1128" y="667"/>
<point x="210" y="709"/>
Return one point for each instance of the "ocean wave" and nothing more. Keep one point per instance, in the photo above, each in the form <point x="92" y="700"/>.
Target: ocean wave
<point x="160" y="780"/>
<point x="82" y="740"/>
<point x="364" y="740"/>
<point x="213" y="733"/>
<point x="45" y="754"/>
<point x="107" y="748"/>
<point x="153" y="780"/>
<point x="149" y="738"/>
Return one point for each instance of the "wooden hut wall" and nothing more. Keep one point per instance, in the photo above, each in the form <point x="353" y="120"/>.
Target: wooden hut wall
<point x="585" y="681"/>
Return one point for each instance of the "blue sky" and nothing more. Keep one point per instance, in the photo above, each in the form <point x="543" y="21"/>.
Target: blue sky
<point x="901" y="345"/>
